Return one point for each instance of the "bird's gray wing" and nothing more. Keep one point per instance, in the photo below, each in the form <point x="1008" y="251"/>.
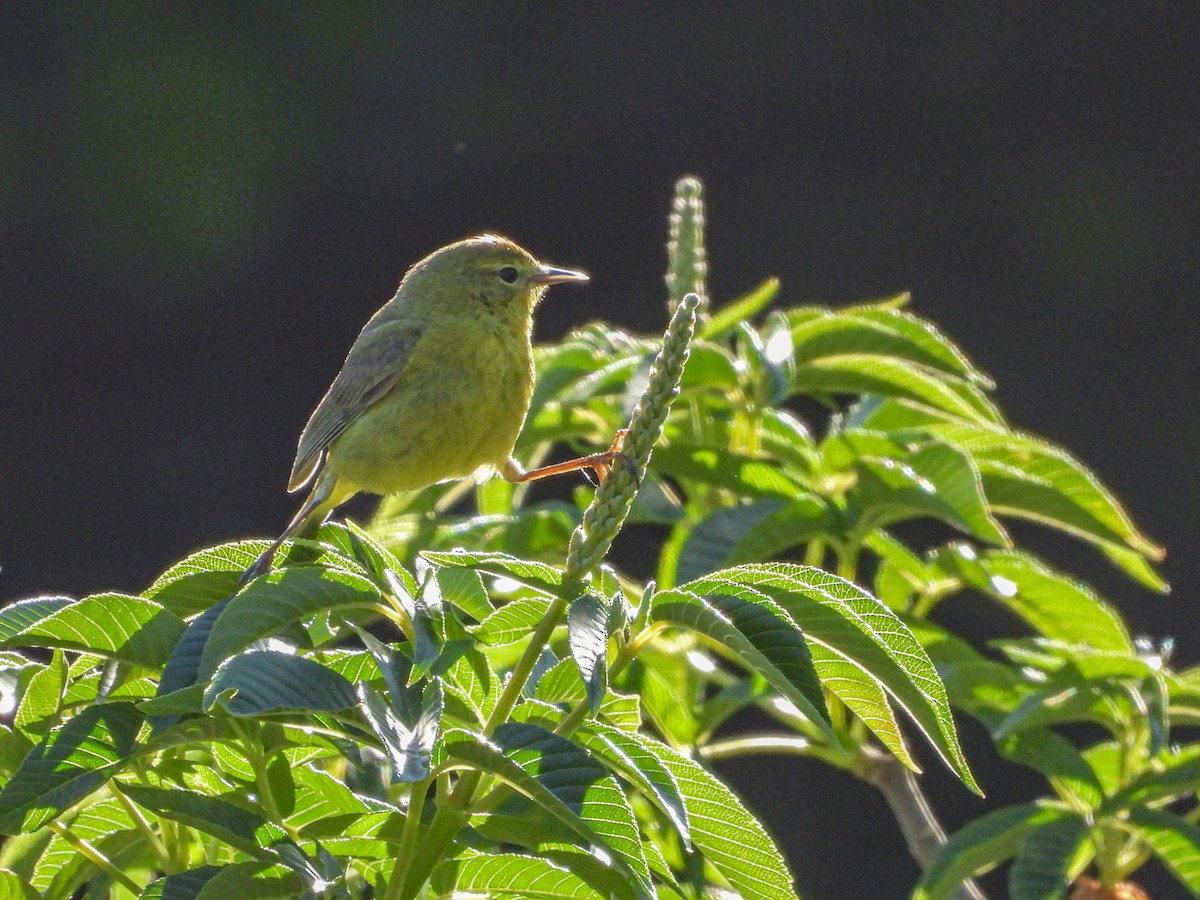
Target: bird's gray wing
<point x="372" y="368"/>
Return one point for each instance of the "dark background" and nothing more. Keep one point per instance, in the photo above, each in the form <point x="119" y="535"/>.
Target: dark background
<point x="200" y="205"/>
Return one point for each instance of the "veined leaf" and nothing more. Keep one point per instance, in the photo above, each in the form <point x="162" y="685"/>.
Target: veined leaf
<point x="513" y="621"/>
<point x="886" y="332"/>
<point x="13" y="887"/>
<point x="981" y="846"/>
<point x="560" y="778"/>
<point x="1042" y="868"/>
<point x="936" y="480"/>
<point x="864" y="373"/>
<point x="537" y="575"/>
<point x="103" y="824"/>
<point x="277" y="599"/>
<point x="1055" y="605"/>
<point x="729" y="837"/>
<point x="847" y="620"/>
<point x="1174" y="840"/>
<point x="17" y="617"/>
<point x="68" y="764"/>
<point x="587" y="636"/>
<point x="756" y="631"/>
<point x="629" y="759"/>
<point x="118" y="626"/>
<point x="264" y="681"/>
<point x="1031" y="478"/>
<point x="512" y="875"/>
<point x="1177" y="774"/>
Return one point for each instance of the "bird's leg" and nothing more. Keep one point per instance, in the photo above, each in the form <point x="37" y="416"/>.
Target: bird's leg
<point x="318" y="503"/>
<point x="600" y="463"/>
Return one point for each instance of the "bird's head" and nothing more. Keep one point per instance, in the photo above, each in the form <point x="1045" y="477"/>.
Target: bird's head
<point x="488" y="270"/>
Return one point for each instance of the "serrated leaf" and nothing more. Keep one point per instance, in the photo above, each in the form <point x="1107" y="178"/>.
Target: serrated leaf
<point x="43" y="697"/>
<point x="537" y="575"/>
<point x="980" y="846"/>
<point x="118" y="626"/>
<point x="560" y="778"/>
<point x="1055" y="605"/>
<point x="105" y="824"/>
<point x="845" y="619"/>
<point x="180" y="886"/>
<point x="463" y="588"/>
<point x="757" y="632"/>
<point x="1174" y="774"/>
<point x="936" y="480"/>
<point x="723" y="830"/>
<point x="265" y="681"/>
<point x="745" y="475"/>
<point x="629" y="759"/>
<point x="68" y="764"/>
<point x="1031" y="478"/>
<point x="17" y="617"/>
<point x="276" y="600"/>
<point x="880" y="332"/>
<point x="513" y="621"/>
<point x="863" y="373"/>
<point x="512" y="875"/>
<point x="1041" y="869"/>
<point x="587" y="636"/>
<point x="1174" y="840"/>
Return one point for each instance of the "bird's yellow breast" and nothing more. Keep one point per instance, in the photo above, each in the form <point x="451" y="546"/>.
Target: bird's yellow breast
<point x="457" y="406"/>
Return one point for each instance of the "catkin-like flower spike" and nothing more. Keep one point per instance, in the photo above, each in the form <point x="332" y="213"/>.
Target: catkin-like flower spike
<point x="604" y="517"/>
<point x="687" y="260"/>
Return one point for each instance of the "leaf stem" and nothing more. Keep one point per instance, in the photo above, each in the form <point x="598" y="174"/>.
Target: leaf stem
<point x="98" y="859"/>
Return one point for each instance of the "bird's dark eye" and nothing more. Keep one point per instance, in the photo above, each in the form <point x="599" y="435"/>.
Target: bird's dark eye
<point x="508" y="274"/>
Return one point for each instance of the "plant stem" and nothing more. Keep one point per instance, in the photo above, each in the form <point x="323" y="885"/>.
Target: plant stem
<point x="161" y="853"/>
<point x="98" y="859"/>
<point x="408" y="839"/>
<point x="920" y="827"/>
<point x="453" y="813"/>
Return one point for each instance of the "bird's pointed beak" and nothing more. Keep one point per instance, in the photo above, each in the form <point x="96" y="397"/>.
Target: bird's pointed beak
<point x="546" y="275"/>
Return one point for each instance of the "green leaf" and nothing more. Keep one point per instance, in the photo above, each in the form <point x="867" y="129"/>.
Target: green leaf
<point x="630" y="760"/>
<point x="512" y="875"/>
<point x="751" y="532"/>
<point x="850" y="622"/>
<point x="1172" y="775"/>
<point x="1174" y="840"/>
<point x="13" y="887"/>
<point x="754" y="630"/>
<point x="463" y="588"/>
<point x="68" y="764"/>
<point x="864" y="696"/>
<point x="1057" y="758"/>
<point x="278" y="599"/>
<point x="16" y="617"/>
<point x="537" y="575"/>
<point x="744" y="308"/>
<point x="937" y="480"/>
<point x="245" y="830"/>
<point x="1042" y="868"/>
<point x="864" y="373"/>
<point x="1028" y="477"/>
<point x="587" y="636"/>
<point x="264" y="681"/>
<point x="43" y="697"/>
<point x="723" y="830"/>
<point x="180" y="886"/>
<point x="981" y="846"/>
<point x="117" y="626"/>
<point x="562" y="779"/>
<point x="103" y="823"/>
<point x="883" y="332"/>
<point x="1055" y="605"/>
<point x="745" y="475"/>
<point x="512" y="622"/>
